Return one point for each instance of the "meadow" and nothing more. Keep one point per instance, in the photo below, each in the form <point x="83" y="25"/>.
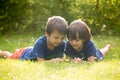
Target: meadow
<point x="107" y="69"/>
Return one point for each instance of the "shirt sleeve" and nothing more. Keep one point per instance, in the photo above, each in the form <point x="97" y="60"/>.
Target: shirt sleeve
<point x="90" y="49"/>
<point x="39" y="49"/>
<point x="68" y="49"/>
<point x="60" y="50"/>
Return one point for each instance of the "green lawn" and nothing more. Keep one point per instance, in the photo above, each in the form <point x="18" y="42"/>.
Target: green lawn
<point x="108" y="69"/>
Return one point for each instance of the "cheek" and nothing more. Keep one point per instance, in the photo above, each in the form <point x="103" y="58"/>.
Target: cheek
<point x="70" y="42"/>
<point x="53" y="40"/>
<point x="79" y="43"/>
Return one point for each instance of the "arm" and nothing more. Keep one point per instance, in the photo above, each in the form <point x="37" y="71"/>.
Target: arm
<point x="91" y="51"/>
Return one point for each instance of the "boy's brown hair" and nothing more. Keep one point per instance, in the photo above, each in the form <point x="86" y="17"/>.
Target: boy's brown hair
<point x="79" y="30"/>
<point x="56" y="23"/>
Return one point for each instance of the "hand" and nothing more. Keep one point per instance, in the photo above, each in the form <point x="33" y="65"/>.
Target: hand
<point x="78" y="60"/>
<point x="91" y="59"/>
<point x="68" y="59"/>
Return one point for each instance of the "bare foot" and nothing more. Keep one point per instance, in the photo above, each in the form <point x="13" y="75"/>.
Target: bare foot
<point x="5" y="54"/>
<point x="105" y="49"/>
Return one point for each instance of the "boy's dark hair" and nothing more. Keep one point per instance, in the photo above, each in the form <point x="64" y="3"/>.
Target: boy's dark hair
<point x="79" y="30"/>
<point x="56" y="23"/>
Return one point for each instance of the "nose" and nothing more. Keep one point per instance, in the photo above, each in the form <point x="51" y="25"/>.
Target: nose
<point x="73" y="42"/>
<point x="59" y="41"/>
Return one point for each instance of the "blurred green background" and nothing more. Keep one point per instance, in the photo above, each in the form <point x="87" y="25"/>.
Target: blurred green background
<point x="102" y="16"/>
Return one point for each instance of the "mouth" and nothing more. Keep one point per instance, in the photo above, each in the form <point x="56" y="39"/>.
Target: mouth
<point x="75" y="47"/>
<point x="56" y="44"/>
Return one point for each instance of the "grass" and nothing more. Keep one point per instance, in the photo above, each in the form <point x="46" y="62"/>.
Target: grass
<point x="108" y="69"/>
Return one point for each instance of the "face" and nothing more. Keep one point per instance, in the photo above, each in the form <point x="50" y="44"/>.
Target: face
<point x="55" y="38"/>
<point x="77" y="44"/>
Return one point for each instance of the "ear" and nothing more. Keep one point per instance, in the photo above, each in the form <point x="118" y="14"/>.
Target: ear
<point x="46" y="34"/>
<point x="84" y="41"/>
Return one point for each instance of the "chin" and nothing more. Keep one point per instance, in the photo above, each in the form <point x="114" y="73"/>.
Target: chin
<point x="55" y="45"/>
<point x="75" y="48"/>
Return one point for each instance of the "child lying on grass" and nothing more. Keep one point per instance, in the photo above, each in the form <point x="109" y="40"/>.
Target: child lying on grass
<point x="80" y="46"/>
<point x="49" y="47"/>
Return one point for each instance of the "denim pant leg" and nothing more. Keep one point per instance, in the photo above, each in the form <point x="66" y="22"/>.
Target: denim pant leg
<point x="99" y="55"/>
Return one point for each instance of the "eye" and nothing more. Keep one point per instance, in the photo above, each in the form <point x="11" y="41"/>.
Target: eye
<point x="70" y="39"/>
<point x="62" y="38"/>
<point x="56" y="37"/>
<point x="77" y="39"/>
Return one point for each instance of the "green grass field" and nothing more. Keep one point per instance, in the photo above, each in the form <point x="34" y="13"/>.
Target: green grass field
<point x="108" y="69"/>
